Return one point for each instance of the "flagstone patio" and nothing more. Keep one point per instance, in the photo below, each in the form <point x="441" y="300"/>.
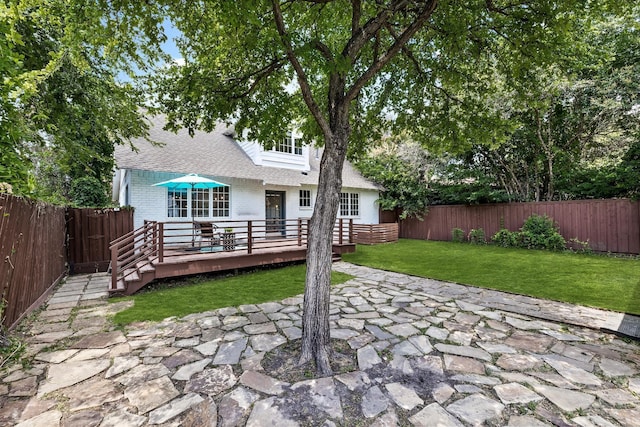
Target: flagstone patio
<point x="424" y="353"/>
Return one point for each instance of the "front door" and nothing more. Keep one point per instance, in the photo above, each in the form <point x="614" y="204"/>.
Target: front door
<point x="275" y="212"/>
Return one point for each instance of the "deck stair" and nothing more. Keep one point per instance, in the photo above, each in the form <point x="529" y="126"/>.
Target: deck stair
<point x="132" y="257"/>
<point x="136" y="278"/>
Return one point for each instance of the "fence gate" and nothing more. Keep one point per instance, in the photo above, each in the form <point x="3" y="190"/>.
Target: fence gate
<point x="90" y="231"/>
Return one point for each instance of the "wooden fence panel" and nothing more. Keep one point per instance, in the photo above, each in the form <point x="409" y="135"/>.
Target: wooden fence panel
<point x="90" y="232"/>
<point x="608" y="225"/>
<point x="370" y="234"/>
<point x="388" y="216"/>
<point x="32" y="254"/>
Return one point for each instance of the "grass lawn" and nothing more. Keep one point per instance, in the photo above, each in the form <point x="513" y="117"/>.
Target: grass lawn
<point x="249" y="288"/>
<point x="591" y="280"/>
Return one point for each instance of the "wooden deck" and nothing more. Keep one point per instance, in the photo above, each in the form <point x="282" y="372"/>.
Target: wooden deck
<point x="163" y="250"/>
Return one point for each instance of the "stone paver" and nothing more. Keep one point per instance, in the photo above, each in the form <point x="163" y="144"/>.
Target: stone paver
<point x="476" y="409"/>
<point x="69" y="373"/>
<point x="434" y="415"/>
<point x="374" y="402"/>
<point x="425" y="353"/>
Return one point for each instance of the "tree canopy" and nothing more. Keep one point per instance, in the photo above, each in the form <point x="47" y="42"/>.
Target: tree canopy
<point x="63" y="108"/>
<point x="568" y="138"/>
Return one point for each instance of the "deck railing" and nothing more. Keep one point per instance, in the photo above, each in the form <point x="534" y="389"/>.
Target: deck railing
<point x="135" y="251"/>
<point x="160" y="242"/>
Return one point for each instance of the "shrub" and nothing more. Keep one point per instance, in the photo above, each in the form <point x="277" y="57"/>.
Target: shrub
<point x="525" y="239"/>
<point x="476" y="236"/>
<point x="579" y="246"/>
<point x="540" y="232"/>
<point x="555" y="242"/>
<point x="88" y="192"/>
<point x="505" y="238"/>
<point x="537" y="232"/>
<point x="457" y="235"/>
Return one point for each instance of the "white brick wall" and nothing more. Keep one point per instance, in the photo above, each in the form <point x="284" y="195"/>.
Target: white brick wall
<point x="247" y="199"/>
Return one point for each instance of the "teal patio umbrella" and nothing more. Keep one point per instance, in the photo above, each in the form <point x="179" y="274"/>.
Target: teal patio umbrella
<point x="191" y="181"/>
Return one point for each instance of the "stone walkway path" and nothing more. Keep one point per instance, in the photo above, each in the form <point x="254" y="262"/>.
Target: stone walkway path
<point x="427" y="353"/>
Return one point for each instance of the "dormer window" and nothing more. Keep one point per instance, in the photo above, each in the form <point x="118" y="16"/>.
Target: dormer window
<point x="290" y="145"/>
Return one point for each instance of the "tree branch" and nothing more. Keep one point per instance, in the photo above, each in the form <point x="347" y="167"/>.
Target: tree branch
<point x="409" y="54"/>
<point x="356" y="13"/>
<point x="360" y="35"/>
<point x="402" y="40"/>
<point x="302" y="77"/>
<point x="260" y="75"/>
<point x="323" y="49"/>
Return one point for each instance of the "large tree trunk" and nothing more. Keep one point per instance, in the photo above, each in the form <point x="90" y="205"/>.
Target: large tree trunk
<point x="315" y="320"/>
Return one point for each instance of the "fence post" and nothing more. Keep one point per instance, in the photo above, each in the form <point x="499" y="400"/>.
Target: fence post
<point x="299" y="231"/>
<point x="249" y="236"/>
<point x="160" y="226"/>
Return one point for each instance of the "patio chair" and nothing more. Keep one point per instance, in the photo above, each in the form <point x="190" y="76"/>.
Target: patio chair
<point x="207" y="231"/>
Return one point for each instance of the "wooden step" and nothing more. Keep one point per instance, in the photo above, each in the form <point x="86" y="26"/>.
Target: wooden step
<point x="146" y="268"/>
<point x="120" y="287"/>
<point x="131" y="275"/>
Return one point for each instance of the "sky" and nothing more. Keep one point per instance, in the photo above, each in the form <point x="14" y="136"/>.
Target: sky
<point x="172" y="33"/>
<point x="168" y="46"/>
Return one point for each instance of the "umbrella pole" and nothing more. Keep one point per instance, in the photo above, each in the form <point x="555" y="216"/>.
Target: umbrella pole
<point x="193" y="222"/>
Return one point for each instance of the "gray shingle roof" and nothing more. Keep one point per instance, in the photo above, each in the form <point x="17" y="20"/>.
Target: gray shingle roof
<point x="216" y="154"/>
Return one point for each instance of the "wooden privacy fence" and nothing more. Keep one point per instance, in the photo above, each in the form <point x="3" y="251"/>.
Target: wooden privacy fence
<point x="32" y="254"/>
<point x="608" y="225"/>
<point x="90" y="233"/>
<point x="34" y="251"/>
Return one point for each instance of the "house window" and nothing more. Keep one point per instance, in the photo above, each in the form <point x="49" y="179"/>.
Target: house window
<point x="220" y="205"/>
<point x="355" y="205"/>
<point x="344" y="204"/>
<point x="305" y="198"/>
<point x="290" y="145"/>
<point x="177" y="204"/>
<point x="349" y="204"/>
<point x="200" y="202"/>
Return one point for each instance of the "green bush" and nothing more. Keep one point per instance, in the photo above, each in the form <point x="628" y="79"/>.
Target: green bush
<point x="537" y="232"/>
<point x="457" y="235"/>
<point x="476" y="236"/>
<point x="525" y="239"/>
<point x="576" y="245"/>
<point x="88" y="191"/>
<point x="505" y="238"/>
<point x="540" y="232"/>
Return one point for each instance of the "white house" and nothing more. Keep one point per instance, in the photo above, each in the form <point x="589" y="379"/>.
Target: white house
<point x="261" y="184"/>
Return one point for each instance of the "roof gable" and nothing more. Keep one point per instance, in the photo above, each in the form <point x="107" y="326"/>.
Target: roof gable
<point x="217" y="154"/>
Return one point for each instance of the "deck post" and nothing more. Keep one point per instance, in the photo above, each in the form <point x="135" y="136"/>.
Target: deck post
<point x="160" y="242"/>
<point x="114" y="267"/>
<point x="154" y="241"/>
<point x="340" y="232"/>
<point x="299" y="231"/>
<point x="249" y="236"/>
<point x="351" y="230"/>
